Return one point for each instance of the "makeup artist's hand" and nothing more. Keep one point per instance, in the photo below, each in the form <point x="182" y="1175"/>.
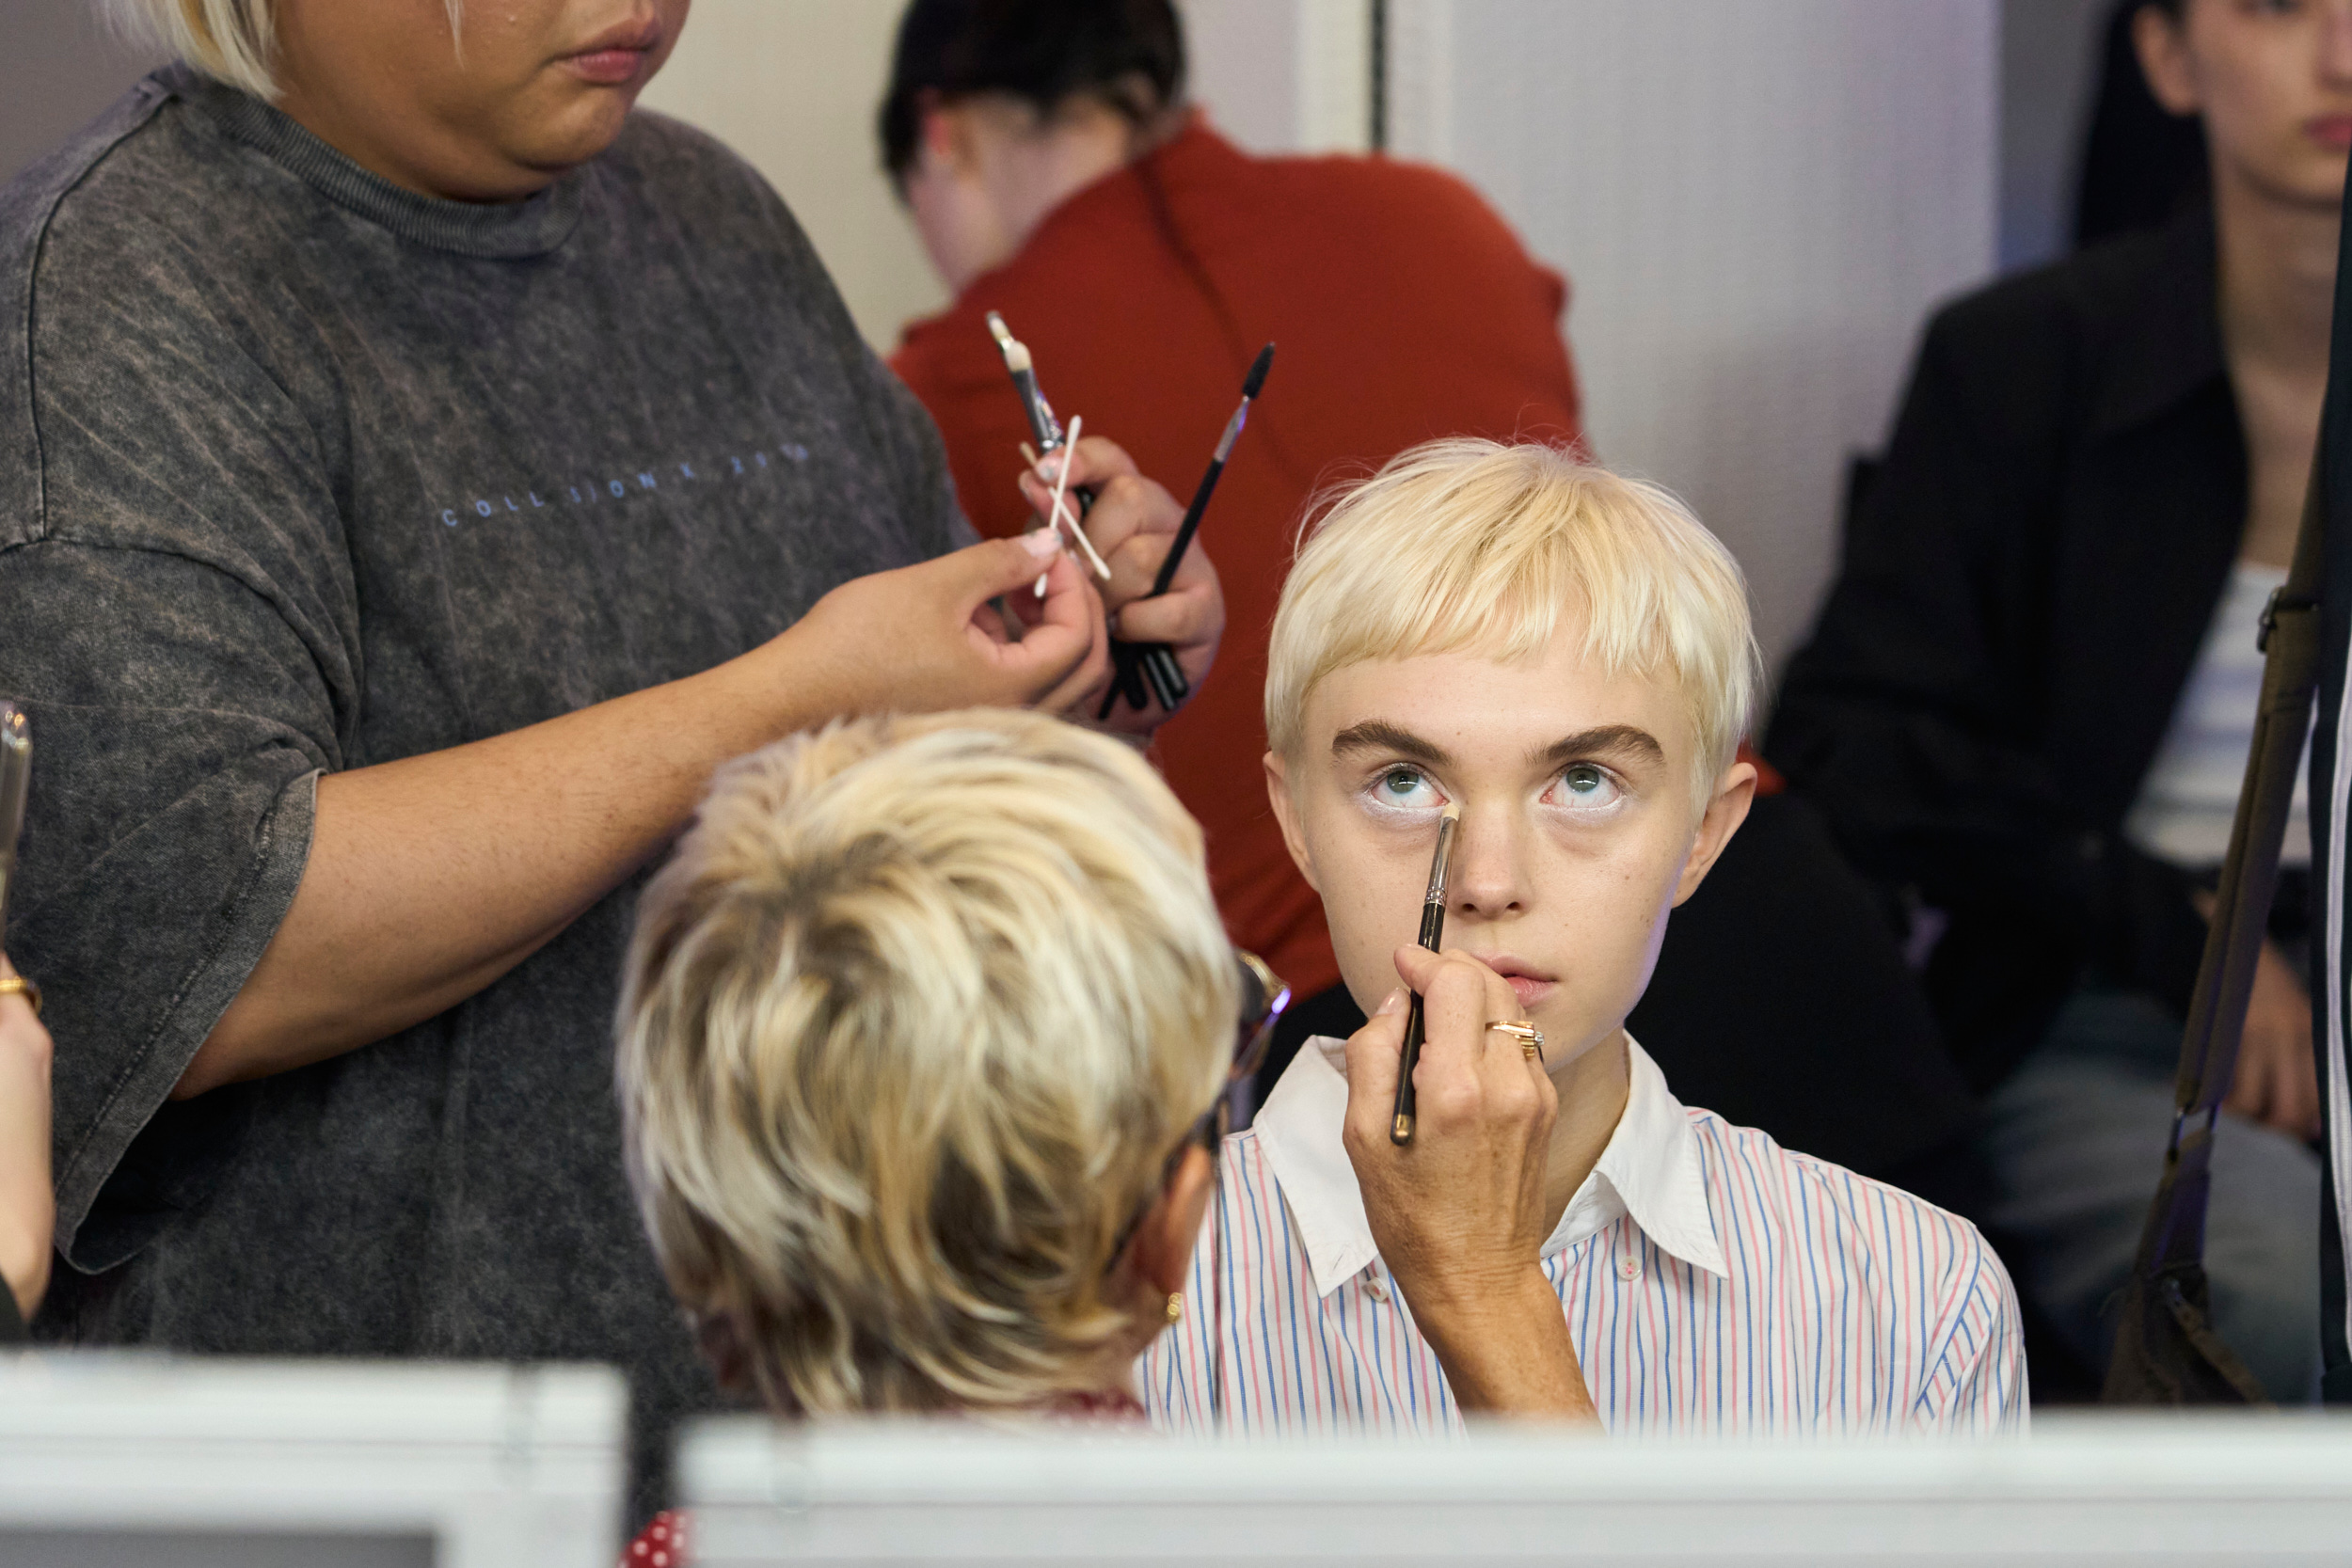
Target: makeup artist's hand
<point x="1460" y="1213"/>
<point x="28" y="1211"/>
<point x="1133" y="523"/>
<point x="929" y="636"/>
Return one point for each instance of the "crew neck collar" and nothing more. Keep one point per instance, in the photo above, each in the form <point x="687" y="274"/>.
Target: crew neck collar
<point x="497" y="230"/>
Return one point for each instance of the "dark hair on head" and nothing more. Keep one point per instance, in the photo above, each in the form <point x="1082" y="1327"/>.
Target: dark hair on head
<point x="2142" y="166"/>
<point x="1128" y="54"/>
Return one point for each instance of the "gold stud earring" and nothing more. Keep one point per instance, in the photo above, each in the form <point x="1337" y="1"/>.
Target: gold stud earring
<point x="1176" y="1306"/>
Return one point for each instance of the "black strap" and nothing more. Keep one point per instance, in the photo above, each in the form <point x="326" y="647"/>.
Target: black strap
<point x="2166" y="1352"/>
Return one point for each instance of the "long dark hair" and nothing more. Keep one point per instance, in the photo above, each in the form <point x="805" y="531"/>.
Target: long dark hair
<point x="2141" y="164"/>
<point x="1126" y="54"/>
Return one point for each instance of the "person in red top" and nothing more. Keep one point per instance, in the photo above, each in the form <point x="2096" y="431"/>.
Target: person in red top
<point x="1057" y="176"/>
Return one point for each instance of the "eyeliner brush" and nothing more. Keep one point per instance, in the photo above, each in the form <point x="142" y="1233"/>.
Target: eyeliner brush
<point x="1160" y="668"/>
<point x="1432" y="933"/>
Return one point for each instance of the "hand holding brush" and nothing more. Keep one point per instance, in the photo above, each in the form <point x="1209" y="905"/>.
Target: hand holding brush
<point x="1161" y="672"/>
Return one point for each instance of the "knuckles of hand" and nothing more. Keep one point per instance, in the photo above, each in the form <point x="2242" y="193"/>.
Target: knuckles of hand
<point x="1121" y="491"/>
<point x="1472" y="1102"/>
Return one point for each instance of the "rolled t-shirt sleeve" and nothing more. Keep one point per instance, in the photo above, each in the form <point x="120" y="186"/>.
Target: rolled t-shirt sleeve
<point x="181" y="626"/>
<point x="178" y="742"/>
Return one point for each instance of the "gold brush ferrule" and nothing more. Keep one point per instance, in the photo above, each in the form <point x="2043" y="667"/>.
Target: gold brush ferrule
<point x="1443" y="859"/>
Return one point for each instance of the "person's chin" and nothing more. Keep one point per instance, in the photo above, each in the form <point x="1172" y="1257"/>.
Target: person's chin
<point x="573" y="132"/>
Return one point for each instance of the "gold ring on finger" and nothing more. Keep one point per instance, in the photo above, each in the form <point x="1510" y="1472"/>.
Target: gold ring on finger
<point x="16" y="985"/>
<point x="1530" y="1038"/>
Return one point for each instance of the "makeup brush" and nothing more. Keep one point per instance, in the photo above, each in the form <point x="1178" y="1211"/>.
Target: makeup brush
<point x="1432" y="933"/>
<point x="1126" y="676"/>
<point x="1166" y="677"/>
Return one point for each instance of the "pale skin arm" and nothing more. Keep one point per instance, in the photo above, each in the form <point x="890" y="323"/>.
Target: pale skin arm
<point x="28" y="1209"/>
<point x="431" y="876"/>
<point x="1460" y="1213"/>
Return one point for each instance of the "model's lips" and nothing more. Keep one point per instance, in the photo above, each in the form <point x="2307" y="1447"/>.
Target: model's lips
<point x="615" y="56"/>
<point x="2334" y="132"/>
<point x="1528" y="983"/>
<point x="1530" y="991"/>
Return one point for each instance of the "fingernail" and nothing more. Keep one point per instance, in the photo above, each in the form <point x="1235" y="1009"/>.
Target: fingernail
<point x="1393" y="1002"/>
<point x="1042" y="543"/>
<point x="1113" y="623"/>
<point x="1049" y="470"/>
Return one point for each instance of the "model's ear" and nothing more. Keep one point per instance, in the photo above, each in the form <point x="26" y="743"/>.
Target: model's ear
<point x="1161" y="1254"/>
<point x="1277" y="791"/>
<point x="2162" y="45"/>
<point x="1734" y="793"/>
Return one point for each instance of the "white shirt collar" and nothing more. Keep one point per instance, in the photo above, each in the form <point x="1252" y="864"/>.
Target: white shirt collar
<point x="1650" y="1169"/>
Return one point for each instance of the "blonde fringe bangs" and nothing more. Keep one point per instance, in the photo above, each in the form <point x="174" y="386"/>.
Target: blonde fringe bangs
<point x="1475" y="546"/>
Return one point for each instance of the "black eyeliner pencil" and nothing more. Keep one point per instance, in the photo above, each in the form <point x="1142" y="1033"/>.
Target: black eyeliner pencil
<point x="1432" y="933"/>
<point x="1160" y="668"/>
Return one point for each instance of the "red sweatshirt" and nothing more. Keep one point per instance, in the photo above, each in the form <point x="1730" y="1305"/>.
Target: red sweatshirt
<point x="1403" y="309"/>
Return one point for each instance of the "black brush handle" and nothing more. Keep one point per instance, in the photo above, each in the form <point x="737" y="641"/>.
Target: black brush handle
<point x="1400" y="1130"/>
<point x="1408" y="1054"/>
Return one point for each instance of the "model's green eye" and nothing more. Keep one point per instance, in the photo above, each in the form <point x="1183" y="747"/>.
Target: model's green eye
<point x="1586" y="788"/>
<point x="1403" y="788"/>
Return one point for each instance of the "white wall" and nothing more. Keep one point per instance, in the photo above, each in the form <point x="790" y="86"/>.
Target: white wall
<point x="1756" y="204"/>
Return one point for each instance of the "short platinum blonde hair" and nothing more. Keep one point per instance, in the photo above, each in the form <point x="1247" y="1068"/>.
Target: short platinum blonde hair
<point x="231" y="40"/>
<point x="1477" y="545"/>
<point x="913" y="1024"/>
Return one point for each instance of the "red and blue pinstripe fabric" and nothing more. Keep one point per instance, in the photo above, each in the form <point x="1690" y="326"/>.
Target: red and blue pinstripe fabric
<point x="1822" y="1301"/>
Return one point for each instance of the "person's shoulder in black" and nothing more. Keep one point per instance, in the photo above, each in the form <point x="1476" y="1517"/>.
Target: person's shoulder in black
<point x="2020" y="592"/>
<point x="2053" y="354"/>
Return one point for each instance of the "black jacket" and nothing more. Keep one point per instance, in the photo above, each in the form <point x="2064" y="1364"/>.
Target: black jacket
<point x="2024" y="586"/>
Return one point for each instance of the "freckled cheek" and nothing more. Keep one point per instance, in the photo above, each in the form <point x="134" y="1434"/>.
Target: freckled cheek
<point x="1605" y="908"/>
<point x="1372" y="896"/>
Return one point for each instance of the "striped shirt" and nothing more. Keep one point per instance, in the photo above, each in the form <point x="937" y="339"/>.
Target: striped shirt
<point x="1713" y="1280"/>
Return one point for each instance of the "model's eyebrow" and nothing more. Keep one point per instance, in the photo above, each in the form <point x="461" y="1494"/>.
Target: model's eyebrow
<point x="1375" y="735"/>
<point x="1605" y="740"/>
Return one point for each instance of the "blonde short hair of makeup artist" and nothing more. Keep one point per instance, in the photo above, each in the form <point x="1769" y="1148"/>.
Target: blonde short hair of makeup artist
<point x="1477" y="545"/>
<point x="231" y="40"/>
<point x="913" y="1024"/>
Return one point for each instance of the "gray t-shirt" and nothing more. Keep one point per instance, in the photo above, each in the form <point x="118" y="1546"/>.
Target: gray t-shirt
<point x="301" y="472"/>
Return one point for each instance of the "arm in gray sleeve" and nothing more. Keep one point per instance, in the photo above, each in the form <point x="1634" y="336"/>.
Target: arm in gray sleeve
<point x="180" y="731"/>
